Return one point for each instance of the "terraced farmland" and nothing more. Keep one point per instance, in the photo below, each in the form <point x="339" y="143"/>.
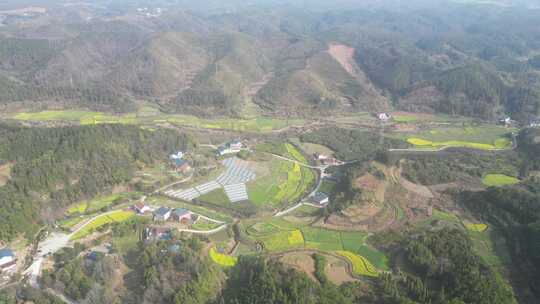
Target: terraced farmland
<point x="280" y="235"/>
<point x="112" y="217"/>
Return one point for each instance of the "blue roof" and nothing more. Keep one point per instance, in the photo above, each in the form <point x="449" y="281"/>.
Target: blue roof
<point x="179" y="162"/>
<point x="180" y="211"/>
<point x="162" y="211"/>
<point x="6" y="252"/>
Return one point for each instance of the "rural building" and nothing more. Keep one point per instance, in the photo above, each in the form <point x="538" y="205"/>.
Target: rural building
<point x="157" y="234"/>
<point x="178" y="155"/>
<point x="506" y="121"/>
<point x="330" y="162"/>
<point x="141" y="208"/>
<point x="181" y="166"/>
<point x="162" y="214"/>
<point x="318" y="156"/>
<point x="232" y="147"/>
<point x="181" y="215"/>
<point x="384" y="116"/>
<point x="7" y="259"/>
<point x="320" y="198"/>
<point x="534" y="123"/>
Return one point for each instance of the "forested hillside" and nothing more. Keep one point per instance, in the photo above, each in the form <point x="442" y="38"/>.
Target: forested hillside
<point x="214" y="58"/>
<point x="54" y="167"/>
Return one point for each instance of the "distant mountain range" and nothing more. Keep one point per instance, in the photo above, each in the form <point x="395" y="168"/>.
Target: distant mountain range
<point x="271" y="57"/>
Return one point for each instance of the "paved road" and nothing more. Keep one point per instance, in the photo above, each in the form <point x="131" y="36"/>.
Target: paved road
<point x="52" y="244"/>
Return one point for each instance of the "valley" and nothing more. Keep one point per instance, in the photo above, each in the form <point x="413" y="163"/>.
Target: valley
<point x="276" y="151"/>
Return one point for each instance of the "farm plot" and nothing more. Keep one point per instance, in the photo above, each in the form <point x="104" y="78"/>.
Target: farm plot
<point x="280" y="235"/>
<point x="233" y="180"/>
<point x="361" y="265"/>
<point x="480" y="137"/>
<point x="222" y="259"/>
<point x="97" y="204"/>
<point x="286" y="183"/>
<point x="498" y="180"/>
<point x="153" y="117"/>
<point x="112" y="217"/>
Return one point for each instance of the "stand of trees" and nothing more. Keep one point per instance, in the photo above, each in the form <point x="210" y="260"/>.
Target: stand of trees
<point x="515" y="212"/>
<point x="54" y="167"/>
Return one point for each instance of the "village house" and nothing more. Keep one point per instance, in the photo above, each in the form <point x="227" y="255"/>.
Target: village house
<point x="181" y="215"/>
<point x="534" y="123"/>
<point x="318" y="156"/>
<point x="506" y="121"/>
<point x="182" y="166"/>
<point x="330" y="162"/>
<point x="7" y="259"/>
<point x="320" y="199"/>
<point x="384" y="117"/>
<point x="141" y="208"/>
<point x="157" y="234"/>
<point x="178" y="155"/>
<point x="232" y="147"/>
<point x="162" y="214"/>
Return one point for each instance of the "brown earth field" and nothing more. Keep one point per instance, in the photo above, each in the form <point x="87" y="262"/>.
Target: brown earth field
<point x="336" y="271"/>
<point x="300" y="261"/>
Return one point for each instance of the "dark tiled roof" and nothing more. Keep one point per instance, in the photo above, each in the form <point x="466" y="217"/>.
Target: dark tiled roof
<point x="162" y="211"/>
<point x="180" y="211"/>
<point x="320" y="196"/>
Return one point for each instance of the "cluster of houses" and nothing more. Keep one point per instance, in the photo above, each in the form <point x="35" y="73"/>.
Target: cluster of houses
<point x="8" y="262"/>
<point x="164" y="214"/>
<point x="179" y="164"/>
<point x="232" y="147"/>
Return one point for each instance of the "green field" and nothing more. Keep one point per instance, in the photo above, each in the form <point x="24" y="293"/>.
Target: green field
<point x="498" y="180"/>
<point x="286" y="183"/>
<point x="279" y="235"/>
<point x="143" y="117"/>
<point x="97" y="204"/>
<point x="217" y="197"/>
<point x="113" y="217"/>
<point x="204" y="225"/>
<point x="481" y="137"/>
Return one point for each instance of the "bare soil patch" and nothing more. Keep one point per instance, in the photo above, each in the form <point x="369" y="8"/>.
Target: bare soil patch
<point x="300" y="261"/>
<point x="416" y="188"/>
<point x="344" y="55"/>
<point x="5" y="173"/>
<point x="336" y="271"/>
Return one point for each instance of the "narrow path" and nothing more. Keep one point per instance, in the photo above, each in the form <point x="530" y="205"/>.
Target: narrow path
<point x="205" y="232"/>
<point x="187" y="179"/>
